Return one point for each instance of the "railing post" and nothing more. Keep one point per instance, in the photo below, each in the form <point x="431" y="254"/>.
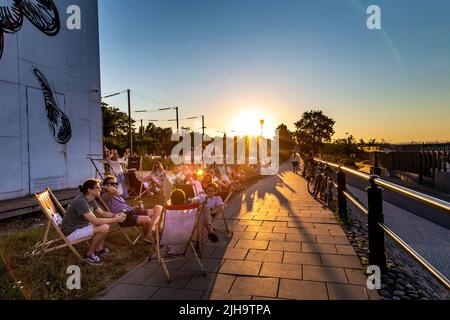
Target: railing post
<point x="377" y="254"/>
<point x="342" y="200"/>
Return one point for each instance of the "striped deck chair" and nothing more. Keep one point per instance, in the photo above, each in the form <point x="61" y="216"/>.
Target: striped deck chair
<point x="177" y="227"/>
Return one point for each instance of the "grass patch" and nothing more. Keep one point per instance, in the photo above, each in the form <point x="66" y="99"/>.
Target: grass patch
<point x="45" y="277"/>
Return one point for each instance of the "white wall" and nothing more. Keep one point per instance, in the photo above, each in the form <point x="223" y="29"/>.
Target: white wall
<point x="31" y="157"/>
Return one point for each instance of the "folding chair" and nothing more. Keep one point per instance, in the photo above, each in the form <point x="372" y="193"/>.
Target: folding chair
<point x="54" y="213"/>
<point x="176" y="228"/>
<point x="137" y="184"/>
<point x="120" y="228"/>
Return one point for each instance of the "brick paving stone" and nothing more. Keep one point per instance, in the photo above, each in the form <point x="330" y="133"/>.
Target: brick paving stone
<point x="265" y="218"/>
<point x="224" y="242"/>
<point x="177" y="294"/>
<point x="340" y="261"/>
<point x="346" y="292"/>
<point x="324" y="274"/>
<point x="313" y="231"/>
<point x="237" y="227"/>
<point x="248" y="268"/>
<point x="332" y="239"/>
<point x="296" y="237"/>
<point x="265" y="255"/>
<point x="337" y="232"/>
<point x="274" y="224"/>
<point x="281" y="270"/>
<point x="229" y="253"/>
<point x="130" y="292"/>
<point x="250" y="223"/>
<point x="286" y="230"/>
<point x="178" y="278"/>
<point x="252" y="244"/>
<point x="140" y="275"/>
<point x="263" y="228"/>
<point x="356" y="277"/>
<point x="209" y="264"/>
<point x="318" y="248"/>
<point x="345" y="250"/>
<point x="246" y="235"/>
<point x="255" y="286"/>
<point x="285" y="246"/>
<point x="213" y="282"/>
<point x="225" y="296"/>
<point x="270" y="236"/>
<point x="302" y="258"/>
<point x="302" y="290"/>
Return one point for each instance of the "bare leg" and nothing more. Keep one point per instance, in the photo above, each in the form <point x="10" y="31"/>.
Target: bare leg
<point x="100" y="233"/>
<point x="145" y="223"/>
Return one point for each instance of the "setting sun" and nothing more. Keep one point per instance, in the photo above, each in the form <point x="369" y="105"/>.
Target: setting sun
<point x="248" y="122"/>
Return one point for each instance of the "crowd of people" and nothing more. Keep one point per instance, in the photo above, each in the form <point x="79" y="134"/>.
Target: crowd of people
<point x="209" y="187"/>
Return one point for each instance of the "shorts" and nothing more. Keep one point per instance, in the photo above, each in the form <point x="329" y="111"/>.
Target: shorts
<point x="132" y="218"/>
<point x="86" y="232"/>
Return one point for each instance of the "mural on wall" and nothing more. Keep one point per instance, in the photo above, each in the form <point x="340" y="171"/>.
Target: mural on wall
<point x="58" y="122"/>
<point x="43" y="14"/>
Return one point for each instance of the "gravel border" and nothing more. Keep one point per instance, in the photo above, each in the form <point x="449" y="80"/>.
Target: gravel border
<point x="405" y="278"/>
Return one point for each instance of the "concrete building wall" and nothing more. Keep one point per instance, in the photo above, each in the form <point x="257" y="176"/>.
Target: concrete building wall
<point x="50" y="119"/>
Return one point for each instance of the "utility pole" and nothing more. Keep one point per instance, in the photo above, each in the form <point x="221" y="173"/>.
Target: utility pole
<point x="130" y="133"/>
<point x="178" y="121"/>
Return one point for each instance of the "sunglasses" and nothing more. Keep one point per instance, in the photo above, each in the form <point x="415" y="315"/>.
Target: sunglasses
<point x="210" y="190"/>
<point x="96" y="187"/>
<point x="114" y="184"/>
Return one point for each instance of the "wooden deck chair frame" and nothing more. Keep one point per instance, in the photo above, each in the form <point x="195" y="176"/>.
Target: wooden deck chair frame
<point x="49" y="205"/>
<point x="97" y="170"/>
<point x="180" y="254"/>
<point x="119" y="227"/>
<point x="143" y="190"/>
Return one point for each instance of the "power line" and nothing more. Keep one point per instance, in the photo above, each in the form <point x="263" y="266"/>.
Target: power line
<point x="150" y="99"/>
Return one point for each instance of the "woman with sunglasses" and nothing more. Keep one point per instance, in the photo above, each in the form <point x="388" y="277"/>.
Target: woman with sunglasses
<point x="80" y="222"/>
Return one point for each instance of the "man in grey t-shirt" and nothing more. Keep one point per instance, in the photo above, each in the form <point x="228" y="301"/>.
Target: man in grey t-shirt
<point x="74" y="217"/>
<point x="80" y="222"/>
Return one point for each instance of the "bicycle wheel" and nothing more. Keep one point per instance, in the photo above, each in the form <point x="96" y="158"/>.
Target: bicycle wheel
<point x="328" y="197"/>
<point x="311" y="185"/>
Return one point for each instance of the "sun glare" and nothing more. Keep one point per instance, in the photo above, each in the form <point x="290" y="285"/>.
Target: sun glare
<point x="248" y="122"/>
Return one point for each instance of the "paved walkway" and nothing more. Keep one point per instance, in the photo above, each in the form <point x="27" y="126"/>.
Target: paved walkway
<point x="285" y="246"/>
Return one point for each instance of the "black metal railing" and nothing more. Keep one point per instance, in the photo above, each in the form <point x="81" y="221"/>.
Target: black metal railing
<point x="374" y="212"/>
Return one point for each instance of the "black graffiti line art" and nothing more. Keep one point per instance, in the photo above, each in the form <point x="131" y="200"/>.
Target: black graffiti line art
<point x="58" y="122"/>
<point x="43" y="14"/>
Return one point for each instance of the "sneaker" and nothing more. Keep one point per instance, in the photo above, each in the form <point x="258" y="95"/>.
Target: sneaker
<point x="103" y="253"/>
<point x="213" y="237"/>
<point x="93" y="260"/>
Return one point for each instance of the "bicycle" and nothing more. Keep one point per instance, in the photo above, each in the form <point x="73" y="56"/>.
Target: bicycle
<point x="320" y="184"/>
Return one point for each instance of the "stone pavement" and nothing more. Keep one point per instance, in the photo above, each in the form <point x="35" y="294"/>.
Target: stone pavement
<point x="285" y="246"/>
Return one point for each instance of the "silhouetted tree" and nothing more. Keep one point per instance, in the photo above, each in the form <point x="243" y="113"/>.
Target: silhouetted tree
<point x="313" y="130"/>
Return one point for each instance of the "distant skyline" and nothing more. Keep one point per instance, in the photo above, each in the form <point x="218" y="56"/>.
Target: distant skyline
<point x="250" y="59"/>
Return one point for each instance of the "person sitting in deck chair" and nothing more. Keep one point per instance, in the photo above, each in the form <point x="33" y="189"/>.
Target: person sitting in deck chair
<point x="178" y="198"/>
<point x="144" y="218"/>
<point x="80" y="221"/>
<point x="156" y="177"/>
